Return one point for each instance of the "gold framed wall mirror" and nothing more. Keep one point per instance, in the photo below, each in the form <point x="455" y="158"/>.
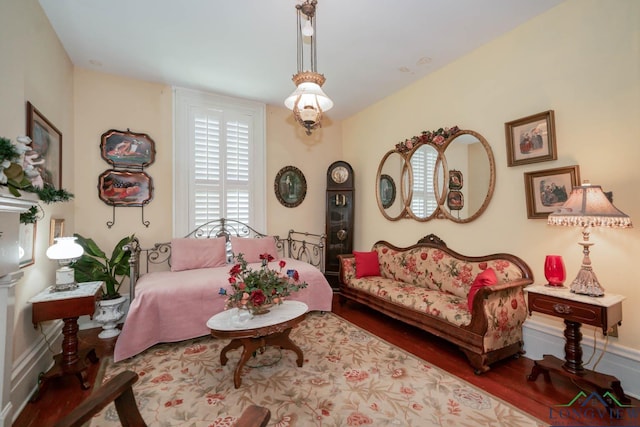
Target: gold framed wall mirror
<point x="453" y="180"/>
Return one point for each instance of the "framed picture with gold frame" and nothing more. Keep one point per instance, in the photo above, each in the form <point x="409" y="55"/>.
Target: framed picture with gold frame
<point x="547" y="190"/>
<point x="56" y="229"/>
<point x="531" y="139"/>
<point x="45" y="154"/>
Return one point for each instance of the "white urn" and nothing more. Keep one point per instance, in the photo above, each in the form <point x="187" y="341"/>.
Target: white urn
<point x="109" y="312"/>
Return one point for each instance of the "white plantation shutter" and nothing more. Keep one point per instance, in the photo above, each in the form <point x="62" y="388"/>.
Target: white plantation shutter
<point x="220" y="163"/>
<point x="423" y="202"/>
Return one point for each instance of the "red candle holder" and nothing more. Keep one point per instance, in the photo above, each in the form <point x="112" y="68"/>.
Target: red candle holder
<point x="554" y="270"/>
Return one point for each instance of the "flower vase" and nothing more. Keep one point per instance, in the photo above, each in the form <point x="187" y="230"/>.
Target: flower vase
<point x="241" y="316"/>
<point x="109" y="312"/>
<point x="554" y="271"/>
<point x="261" y="309"/>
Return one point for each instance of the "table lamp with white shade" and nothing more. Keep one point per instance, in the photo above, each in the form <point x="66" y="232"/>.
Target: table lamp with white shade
<point x="586" y="207"/>
<point x="65" y="250"/>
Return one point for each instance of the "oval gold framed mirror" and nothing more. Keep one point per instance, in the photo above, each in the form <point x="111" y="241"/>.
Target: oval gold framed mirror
<point x="453" y="180"/>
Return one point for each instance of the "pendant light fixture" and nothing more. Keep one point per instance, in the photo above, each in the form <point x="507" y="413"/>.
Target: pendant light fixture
<point x="308" y="101"/>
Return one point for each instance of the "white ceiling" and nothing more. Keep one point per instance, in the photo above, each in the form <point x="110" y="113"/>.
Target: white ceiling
<point x="367" y="49"/>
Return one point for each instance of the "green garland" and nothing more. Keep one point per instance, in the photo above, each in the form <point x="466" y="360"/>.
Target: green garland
<point x="30" y="216"/>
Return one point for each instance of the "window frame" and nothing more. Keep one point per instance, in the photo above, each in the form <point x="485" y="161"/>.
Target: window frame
<point x="185" y="101"/>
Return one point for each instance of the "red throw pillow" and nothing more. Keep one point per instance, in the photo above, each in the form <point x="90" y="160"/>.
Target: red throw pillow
<point x="366" y="264"/>
<point x="486" y="278"/>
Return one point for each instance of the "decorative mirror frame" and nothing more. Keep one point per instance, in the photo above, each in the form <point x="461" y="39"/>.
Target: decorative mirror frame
<point x="290" y="186"/>
<point x="442" y="189"/>
<point x="400" y="198"/>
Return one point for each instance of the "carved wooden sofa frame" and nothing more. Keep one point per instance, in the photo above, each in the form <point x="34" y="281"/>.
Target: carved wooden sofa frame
<point x="469" y="338"/>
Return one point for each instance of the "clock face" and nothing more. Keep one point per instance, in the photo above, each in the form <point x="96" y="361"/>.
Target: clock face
<point x="339" y="174"/>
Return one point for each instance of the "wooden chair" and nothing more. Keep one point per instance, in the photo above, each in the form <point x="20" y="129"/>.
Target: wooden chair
<point x="119" y="390"/>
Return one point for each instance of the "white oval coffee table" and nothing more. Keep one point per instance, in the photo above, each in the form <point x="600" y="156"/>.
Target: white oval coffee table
<point x="272" y="328"/>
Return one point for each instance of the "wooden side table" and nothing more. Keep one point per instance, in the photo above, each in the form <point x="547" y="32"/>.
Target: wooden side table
<point x="603" y="312"/>
<point x="68" y="306"/>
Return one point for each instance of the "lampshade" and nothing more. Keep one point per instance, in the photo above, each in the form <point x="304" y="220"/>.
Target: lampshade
<point x="586" y="207"/>
<point x="308" y="94"/>
<point x="65" y="248"/>
<point x="308" y="102"/>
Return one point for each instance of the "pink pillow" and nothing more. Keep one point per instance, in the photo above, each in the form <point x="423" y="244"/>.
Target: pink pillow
<point x="189" y="254"/>
<point x="486" y="278"/>
<point x="366" y="264"/>
<point x="252" y="248"/>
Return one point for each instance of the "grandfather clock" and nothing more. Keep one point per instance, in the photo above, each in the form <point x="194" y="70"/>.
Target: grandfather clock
<point x="339" y="219"/>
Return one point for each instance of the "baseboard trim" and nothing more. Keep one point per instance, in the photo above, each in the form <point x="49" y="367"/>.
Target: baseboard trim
<point x="541" y="338"/>
<point x="37" y="358"/>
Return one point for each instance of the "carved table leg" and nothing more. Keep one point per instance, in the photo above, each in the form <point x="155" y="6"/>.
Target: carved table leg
<point x="70" y="361"/>
<point x="235" y="343"/>
<point x="251" y="345"/>
<point x="282" y="340"/>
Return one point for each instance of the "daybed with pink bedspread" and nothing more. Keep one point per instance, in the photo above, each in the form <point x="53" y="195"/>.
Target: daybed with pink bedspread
<point x="174" y="305"/>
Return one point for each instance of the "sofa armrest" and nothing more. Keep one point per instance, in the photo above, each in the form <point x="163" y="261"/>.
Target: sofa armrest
<point x="347" y="263"/>
<point x="505" y="297"/>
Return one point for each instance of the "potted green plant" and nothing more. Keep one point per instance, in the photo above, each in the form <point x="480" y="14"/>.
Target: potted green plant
<point x="95" y="265"/>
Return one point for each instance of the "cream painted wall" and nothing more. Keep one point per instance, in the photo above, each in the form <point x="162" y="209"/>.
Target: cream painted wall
<point x="35" y="68"/>
<point x="103" y="102"/>
<point x="581" y="59"/>
<point x="288" y="145"/>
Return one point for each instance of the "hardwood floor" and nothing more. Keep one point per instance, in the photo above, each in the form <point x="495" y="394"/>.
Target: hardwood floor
<point x="506" y="380"/>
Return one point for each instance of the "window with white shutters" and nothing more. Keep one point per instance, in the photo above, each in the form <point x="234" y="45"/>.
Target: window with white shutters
<point x="423" y="202"/>
<point x="219" y="157"/>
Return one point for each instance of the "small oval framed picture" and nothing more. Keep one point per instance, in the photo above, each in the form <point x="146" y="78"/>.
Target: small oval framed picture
<point x="124" y="188"/>
<point x="387" y="191"/>
<point x="290" y="186"/>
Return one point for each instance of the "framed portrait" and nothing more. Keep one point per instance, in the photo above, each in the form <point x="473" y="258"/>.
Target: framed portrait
<point x="548" y="190"/>
<point x="125" y="188"/>
<point x="531" y="139"/>
<point x="127" y="149"/>
<point x="26" y="244"/>
<point x="43" y="163"/>
<point x="455" y="200"/>
<point x="456" y="180"/>
<point x="56" y="229"/>
<point x="387" y="191"/>
<point x="290" y="186"/>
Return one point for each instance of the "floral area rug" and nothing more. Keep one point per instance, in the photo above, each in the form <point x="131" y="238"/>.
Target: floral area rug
<point x="349" y="378"/>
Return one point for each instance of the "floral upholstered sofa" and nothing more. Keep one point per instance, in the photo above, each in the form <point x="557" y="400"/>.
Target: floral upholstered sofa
<point x="476" y="303"/>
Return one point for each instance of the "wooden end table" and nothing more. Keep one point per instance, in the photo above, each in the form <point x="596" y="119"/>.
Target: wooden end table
<point x="603" y="312"/>
<point x="68" y="306"/>
<point x="272" y="328"/>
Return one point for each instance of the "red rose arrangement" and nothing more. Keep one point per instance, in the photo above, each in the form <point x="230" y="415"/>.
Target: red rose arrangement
<point x="253" y="289"/>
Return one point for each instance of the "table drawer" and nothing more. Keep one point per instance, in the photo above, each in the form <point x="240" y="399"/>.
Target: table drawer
<point x="568" y="310"/>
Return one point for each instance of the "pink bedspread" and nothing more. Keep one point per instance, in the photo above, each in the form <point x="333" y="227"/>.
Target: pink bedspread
<point x="175" y="306"/>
